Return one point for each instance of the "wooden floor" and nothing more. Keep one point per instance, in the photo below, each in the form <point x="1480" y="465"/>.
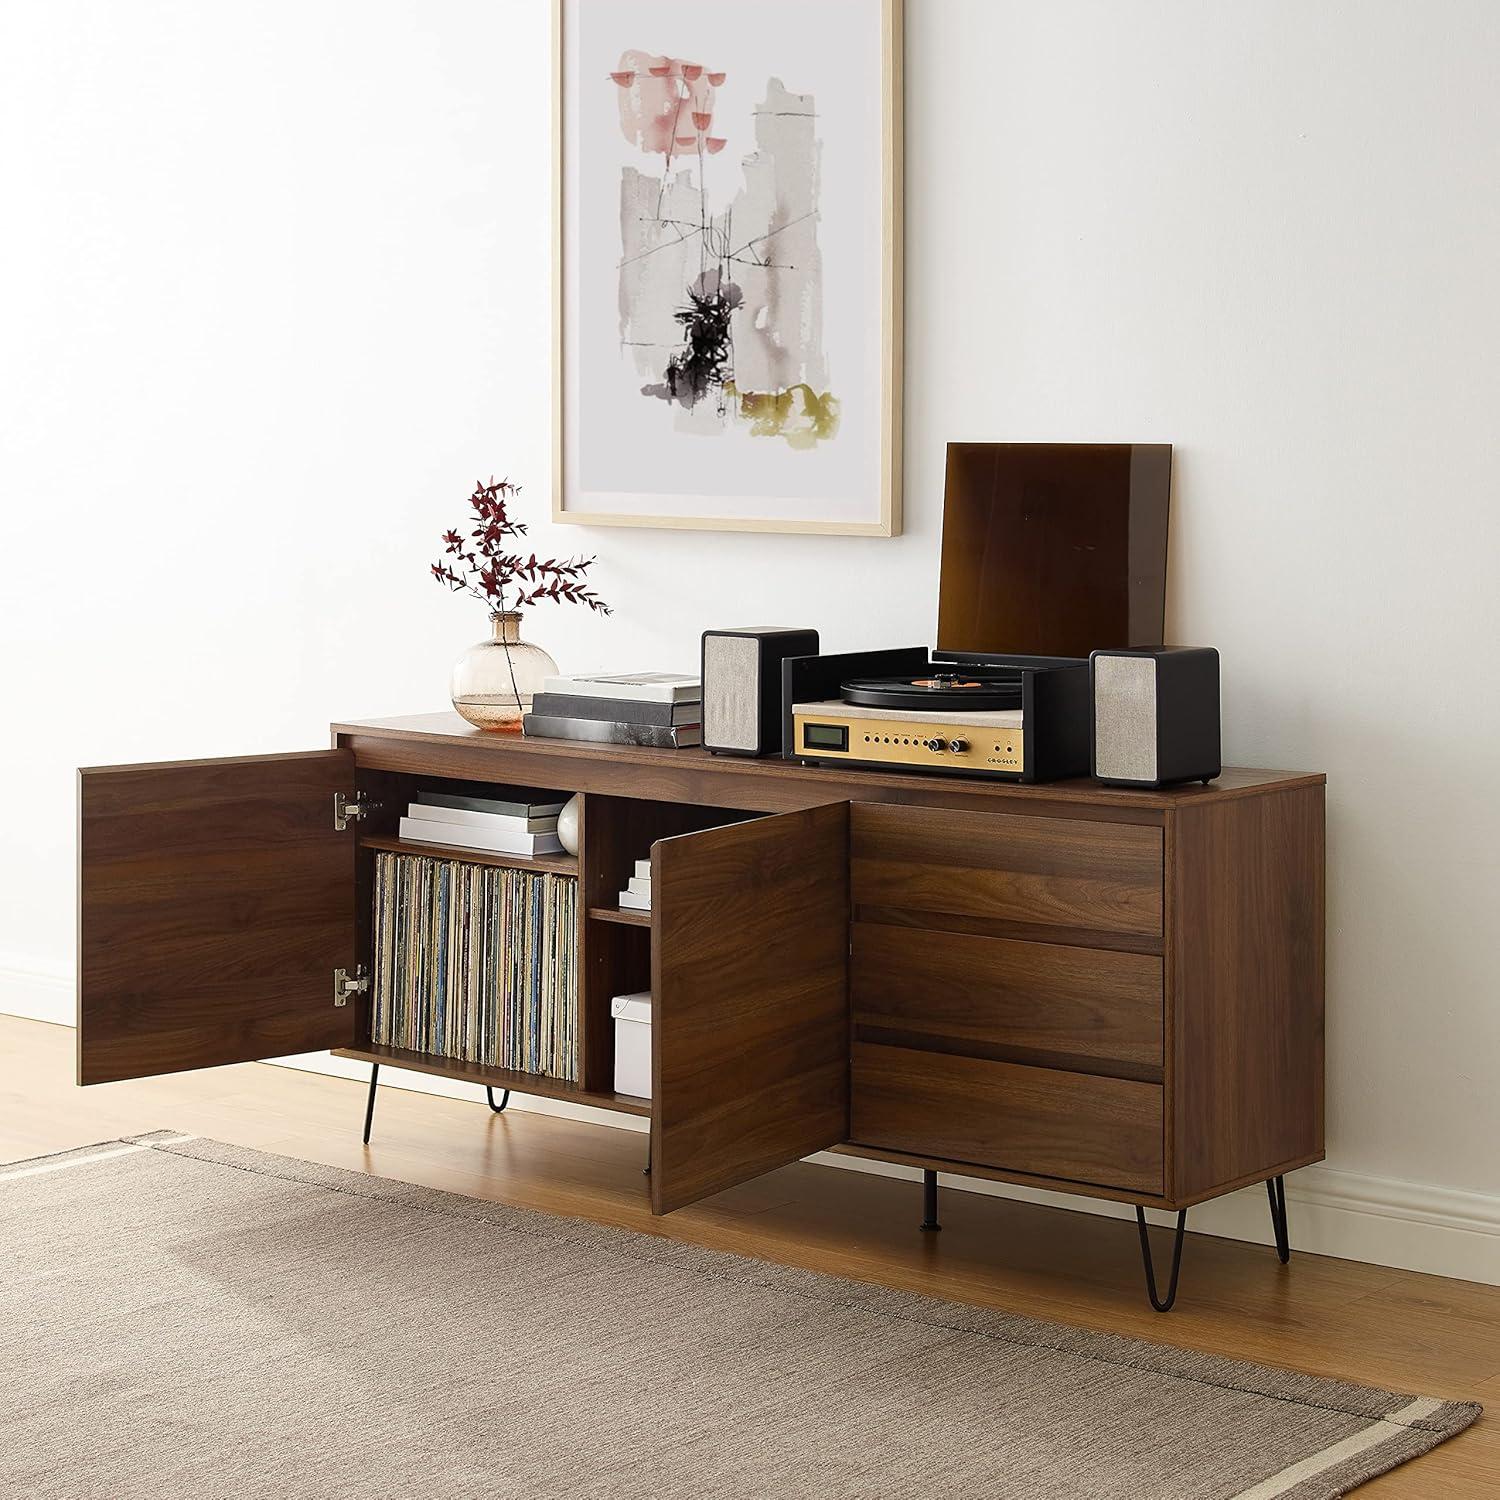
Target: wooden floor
<point x="1388" y="1328"/>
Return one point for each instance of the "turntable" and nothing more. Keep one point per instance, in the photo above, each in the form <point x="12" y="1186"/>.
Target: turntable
<point x="942" y="720"/>
<point x="965" y="718"/>
<point x="1049" y="550"/>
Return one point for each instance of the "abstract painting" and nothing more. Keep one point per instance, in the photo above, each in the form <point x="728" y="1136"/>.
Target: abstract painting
<point x="728" y="251"/>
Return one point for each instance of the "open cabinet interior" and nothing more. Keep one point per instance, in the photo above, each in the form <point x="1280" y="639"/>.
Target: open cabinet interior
<point x="743" y="951"/>
<point x="611" y="953"/>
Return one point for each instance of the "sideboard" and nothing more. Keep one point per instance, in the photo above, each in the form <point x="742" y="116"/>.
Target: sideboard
<point x="1099" y="991"/>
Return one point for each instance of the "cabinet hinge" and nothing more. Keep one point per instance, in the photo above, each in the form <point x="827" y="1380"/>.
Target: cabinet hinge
<point x="349" y="808"/>
<point x="346" y="984"/>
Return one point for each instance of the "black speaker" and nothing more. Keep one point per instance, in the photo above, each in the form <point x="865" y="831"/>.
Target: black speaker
<point x="742" y="686"/>
<point x="1156" y="715"/>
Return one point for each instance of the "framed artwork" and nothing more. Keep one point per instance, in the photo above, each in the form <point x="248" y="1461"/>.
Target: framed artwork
<point x="727" y="299"/>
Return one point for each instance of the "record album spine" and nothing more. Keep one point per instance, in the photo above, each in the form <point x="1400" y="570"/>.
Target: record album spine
<point x="476" y="963"/>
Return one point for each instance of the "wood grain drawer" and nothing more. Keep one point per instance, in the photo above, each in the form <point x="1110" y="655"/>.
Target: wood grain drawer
<point x="1058" y="872"/>
<point x="1060" y="1003"/>
<point x="1039" y="1121"/>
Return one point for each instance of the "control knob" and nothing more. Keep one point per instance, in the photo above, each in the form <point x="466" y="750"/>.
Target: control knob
<point x="958" y="746"/>
<point x="935" y="744"/>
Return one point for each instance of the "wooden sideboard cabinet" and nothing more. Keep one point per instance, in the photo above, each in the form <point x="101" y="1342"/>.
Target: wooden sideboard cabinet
<point x="1099" y="991"/>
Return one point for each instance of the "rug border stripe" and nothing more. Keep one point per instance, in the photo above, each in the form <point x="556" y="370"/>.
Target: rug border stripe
<point x="83" y="1155"/>
<point x="1287" y="1479"/>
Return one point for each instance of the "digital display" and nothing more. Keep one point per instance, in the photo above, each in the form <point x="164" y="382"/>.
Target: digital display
<point x="825" y="737"/>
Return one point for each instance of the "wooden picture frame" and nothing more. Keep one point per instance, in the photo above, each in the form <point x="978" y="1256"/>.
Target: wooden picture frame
<point x="883" y="517"/>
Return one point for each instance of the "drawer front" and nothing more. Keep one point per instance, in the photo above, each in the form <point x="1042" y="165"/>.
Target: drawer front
<point x="1052" y="872"/>
<point x="989" y="995"/>
<point x="1038" y="1121"/>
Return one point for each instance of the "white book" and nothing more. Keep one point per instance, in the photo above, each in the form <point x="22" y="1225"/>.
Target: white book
<point x="497" y="841"/>
<point x="642" y="887"/>
<point x="633" y="687"/>
<point x="631" y="901"/>
<point x="500" y="822"/>
<point x="643" y="868"/>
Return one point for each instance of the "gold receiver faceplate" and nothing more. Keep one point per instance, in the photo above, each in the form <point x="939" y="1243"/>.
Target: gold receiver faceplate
<point x="976" y="742"/>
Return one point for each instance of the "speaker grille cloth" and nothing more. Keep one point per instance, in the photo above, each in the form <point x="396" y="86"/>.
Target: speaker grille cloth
<point x="731" y="692"/>
<point x="1125" y="717"/>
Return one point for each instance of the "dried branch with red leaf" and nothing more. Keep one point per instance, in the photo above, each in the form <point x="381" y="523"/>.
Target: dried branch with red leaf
<point x="483" y="565"/>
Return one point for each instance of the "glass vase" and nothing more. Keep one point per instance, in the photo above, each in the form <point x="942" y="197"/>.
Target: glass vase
<point x="494" y="680"/>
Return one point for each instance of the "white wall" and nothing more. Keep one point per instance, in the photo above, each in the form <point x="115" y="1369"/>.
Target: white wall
<point x="274" y="286"/>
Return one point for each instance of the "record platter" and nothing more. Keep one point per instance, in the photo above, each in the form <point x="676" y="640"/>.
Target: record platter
<point x="943" y="691"/>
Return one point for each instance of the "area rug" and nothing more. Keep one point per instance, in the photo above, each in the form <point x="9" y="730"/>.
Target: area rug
<point x="181" y="1318"/>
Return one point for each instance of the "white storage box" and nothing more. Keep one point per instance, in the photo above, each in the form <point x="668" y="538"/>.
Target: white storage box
<point x="632" y="1015"/>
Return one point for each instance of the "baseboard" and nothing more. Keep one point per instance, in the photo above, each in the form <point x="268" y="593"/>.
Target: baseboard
<point x="1351" y="1215"/>
<point x="37" y="989"/>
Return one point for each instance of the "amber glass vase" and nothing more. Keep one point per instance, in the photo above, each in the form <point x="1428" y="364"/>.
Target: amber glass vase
<point x="494" y="680"/>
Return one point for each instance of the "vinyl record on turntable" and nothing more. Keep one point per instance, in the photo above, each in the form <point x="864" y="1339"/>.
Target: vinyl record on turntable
<point x="952" y="691"/>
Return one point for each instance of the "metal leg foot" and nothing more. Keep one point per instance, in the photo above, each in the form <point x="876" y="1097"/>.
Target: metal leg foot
<point x="1276" y="1192"/>
<point x="929" y="1201"/>
<point x="489" y="1094"/>
<point x="1161" y="1304"/>
<point x="646" y="1170"/>
<point x="370" y="1102"/>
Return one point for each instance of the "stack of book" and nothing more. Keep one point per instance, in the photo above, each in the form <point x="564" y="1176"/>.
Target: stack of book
<point x="637" y="894"/>
<point x="514" y="821"/>
<point x="658" y="709"/>
<point x="476" y="963"/>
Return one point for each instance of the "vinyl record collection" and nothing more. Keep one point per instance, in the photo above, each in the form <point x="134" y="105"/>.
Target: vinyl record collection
<point x="476" y="963"/>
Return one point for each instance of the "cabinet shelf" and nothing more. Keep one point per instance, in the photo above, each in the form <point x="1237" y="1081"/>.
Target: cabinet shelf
<point x="498" y="1078"/>
<point x="624" y="915"/>
<point x="543" y="864"/>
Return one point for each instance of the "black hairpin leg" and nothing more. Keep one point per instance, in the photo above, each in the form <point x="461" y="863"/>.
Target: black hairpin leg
<point x="1161" y="1304"/>
<point x="370" y="1102"/>
<point x="1276" y="1192"/>
<point x="489" y="1095"/>
<point x="929" y="1201"/>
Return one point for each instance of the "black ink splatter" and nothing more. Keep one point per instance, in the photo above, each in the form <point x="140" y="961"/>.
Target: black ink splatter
<point x="703" y="364"/>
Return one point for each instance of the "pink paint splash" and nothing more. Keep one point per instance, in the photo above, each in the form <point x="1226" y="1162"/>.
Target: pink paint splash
<point x="667" y="104"/>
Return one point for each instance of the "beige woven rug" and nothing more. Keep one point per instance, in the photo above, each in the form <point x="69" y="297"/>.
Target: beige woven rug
<point x="180" y="1318"/>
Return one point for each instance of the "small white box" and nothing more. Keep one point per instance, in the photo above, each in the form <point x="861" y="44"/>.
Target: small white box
<point x="632" y="1015"/>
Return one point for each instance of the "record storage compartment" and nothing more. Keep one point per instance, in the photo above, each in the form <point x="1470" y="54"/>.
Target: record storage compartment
<point x="476" y="962"/>
<point x="610" y="946"/>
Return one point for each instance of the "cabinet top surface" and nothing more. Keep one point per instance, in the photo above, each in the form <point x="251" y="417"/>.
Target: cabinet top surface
<point x="510" y="752"/>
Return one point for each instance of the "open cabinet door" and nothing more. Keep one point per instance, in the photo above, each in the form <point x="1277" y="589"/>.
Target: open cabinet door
<point x="215" y="901"/>
<point x="750" y="1000"/>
